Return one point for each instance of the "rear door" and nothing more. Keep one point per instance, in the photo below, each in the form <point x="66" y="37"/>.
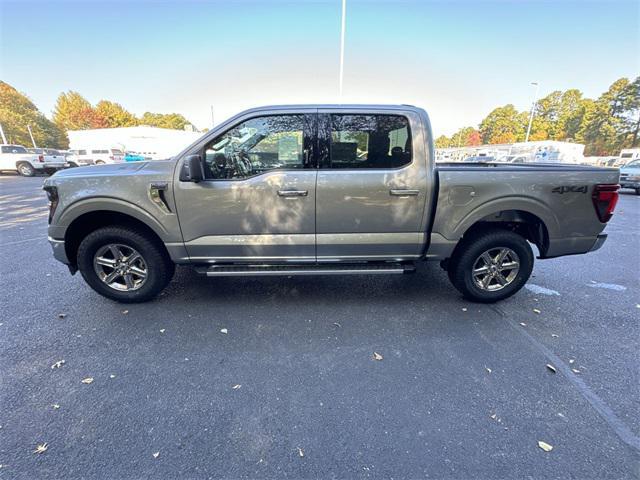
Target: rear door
<point x="373" y="185"/>
<point x="258" y="200"/>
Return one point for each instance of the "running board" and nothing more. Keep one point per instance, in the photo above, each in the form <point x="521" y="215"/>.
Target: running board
<point x="286" y="270"/>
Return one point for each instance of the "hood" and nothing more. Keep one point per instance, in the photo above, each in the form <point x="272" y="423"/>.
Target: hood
<point x="97" y="170"/>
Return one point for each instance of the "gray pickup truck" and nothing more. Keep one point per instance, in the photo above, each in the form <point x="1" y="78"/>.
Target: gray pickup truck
<point x="322" y="189"/>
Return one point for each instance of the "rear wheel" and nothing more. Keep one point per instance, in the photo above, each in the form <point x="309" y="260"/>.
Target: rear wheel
<point x="26" y="169"/>
<point x="491" y="265"/>
<point x="99" y="162"/>
<point x="124" y="264"/>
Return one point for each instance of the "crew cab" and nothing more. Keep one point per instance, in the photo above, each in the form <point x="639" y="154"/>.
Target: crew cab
<point x="323" y="189"/>
<point x="18" y="159"/>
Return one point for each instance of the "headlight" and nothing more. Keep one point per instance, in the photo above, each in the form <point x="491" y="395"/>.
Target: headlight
<point x="52" y="195"/>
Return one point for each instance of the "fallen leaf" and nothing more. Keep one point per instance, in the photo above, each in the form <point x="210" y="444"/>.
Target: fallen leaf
<point x="124" y="312"/>
<point x="55" y="406"/>
<point x="523" y="324"/>
<point x="535" y="310"/>
<point x="571" y="360"/>
<point x="162" y="330"/>
<point x="112" y="376"/>
<point x="224" y="330"/>
<point x="544" y="446"/>
<point x="58" y="364"/>
<point x="41" y="448"/>
<point x="155" y="455"/>
<point x="300" y="452"/>
<point x="62" y="315"/>
<point x="551" y="368"/>
<point x="337" y="324"/>
<point x="575" y="370"/>
<point x="464" y="309"/>
<point x="236" y="387"/>
<point x="377" y="356"/>
<point x="554" y="335"/>
<point x="87" y="380"/>
<point x="487" y="369"/>
<point x="494" y="416"/>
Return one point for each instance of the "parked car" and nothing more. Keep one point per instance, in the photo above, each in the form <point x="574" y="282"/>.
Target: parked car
<point x="479" y="158"/>
<point x="133" y="157"/>
<point x="630" y="176"/>
<point x="18" y="159"/>
<point x="284" y="191"/>
<point x="52" y="156"/>
<point x="96" y="156"/>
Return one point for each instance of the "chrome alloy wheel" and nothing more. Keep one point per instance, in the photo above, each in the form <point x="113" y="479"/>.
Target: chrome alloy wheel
<point x="120" y="267"/>
<point x="495" y="269"/>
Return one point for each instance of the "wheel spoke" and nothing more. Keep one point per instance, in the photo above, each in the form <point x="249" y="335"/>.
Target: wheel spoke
<point x="501" y="279"/>
<point x="138" y="272"/>
<point x="509" y="266"/>
<point x="500" y="258"/>
<point x="115" y="251"/>
<point x="128" y="279"/>
<point x="106" y="262"/>
<point x="111" y="277"/>
<point x="482" y="270"/>
<point x="486" y="281"/>
<point x="487" y="258"/>
<point x="134" y="257"/>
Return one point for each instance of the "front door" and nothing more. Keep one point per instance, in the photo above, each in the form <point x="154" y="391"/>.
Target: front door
<point x="372" y="186"/>
<point x="257" y="202"/>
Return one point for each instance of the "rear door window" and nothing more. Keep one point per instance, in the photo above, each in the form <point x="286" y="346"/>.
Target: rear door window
<point x="369" y="141"/>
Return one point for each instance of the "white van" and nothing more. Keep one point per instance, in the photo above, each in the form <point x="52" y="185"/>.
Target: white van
<point x="94" y="156"/>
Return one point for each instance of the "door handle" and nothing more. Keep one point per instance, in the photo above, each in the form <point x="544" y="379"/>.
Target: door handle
<point x="404" y="193"/>
<point x="293" y="193"/>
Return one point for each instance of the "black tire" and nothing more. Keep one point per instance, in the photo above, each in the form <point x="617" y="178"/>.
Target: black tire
<point x="469" y="252"/>
<point x="25" y="169"/>
<point x="159" y="266"/>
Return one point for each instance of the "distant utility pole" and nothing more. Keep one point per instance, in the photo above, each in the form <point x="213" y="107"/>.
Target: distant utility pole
<point x="4" y="139"/>
<point x="342" y="29"/>
<point x="533" y="107"/>
<point x="31" y="135"/>
<point x="212" y="122"/>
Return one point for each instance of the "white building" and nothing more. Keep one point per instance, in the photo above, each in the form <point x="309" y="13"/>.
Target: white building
<point x="153" y="142"/>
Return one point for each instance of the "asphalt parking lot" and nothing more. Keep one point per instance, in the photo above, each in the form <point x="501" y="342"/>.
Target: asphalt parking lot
<point x="292" y="389"/>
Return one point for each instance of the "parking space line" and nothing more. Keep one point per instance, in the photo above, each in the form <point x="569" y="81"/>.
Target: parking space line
<point x="619" y="427"/>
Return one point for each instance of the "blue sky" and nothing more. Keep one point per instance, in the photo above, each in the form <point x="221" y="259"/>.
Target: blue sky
<point x="457" y="59"/>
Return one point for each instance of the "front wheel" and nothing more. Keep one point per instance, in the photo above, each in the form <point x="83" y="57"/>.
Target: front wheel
<point x="491" y="266"/>
<point x="124" y="264"/>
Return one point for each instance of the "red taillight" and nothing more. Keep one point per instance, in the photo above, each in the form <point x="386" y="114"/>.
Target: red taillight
<point x="41" y="158"/>
<point x="605" y="198"/>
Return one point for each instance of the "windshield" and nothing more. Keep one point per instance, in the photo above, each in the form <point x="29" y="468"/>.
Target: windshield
<point x="633" y="164"/>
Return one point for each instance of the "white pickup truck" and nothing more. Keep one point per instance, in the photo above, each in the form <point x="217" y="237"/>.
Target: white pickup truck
<point x="16" y="158"/>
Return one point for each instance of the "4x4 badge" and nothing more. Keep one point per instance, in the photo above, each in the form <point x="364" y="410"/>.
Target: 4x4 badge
<point x="570" y="189"/>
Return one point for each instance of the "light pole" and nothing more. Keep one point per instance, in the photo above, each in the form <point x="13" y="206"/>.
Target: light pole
<point x="342" y="29"/>
<point x="533" y="107"/>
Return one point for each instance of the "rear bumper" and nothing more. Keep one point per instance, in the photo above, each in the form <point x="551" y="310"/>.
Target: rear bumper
<point x="599" y="242"/>
<point x="59" y="252"/>
<point x="48" y="166"/>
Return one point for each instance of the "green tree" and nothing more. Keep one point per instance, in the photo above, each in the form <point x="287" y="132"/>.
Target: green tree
<point x="74" y="112"/>
<point x="169" y="120"/>
<point x="503" y="125"/>
<point x="443" y="141"/>
<point x="114" y="115"/>
<point x="17" y="112"/>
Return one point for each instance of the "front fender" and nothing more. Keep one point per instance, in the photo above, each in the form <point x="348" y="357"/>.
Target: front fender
<point x="95" y="204"/>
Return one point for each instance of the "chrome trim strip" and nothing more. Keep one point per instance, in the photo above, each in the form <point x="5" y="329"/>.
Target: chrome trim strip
<point x="250" y="273"/>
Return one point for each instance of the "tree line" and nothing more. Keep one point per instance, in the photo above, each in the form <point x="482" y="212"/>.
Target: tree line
<point x="604" y="125"/>
<point x="72" y="112"/>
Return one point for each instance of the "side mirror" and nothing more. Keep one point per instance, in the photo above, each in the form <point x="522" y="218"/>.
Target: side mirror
<point x="194" y="171"/>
